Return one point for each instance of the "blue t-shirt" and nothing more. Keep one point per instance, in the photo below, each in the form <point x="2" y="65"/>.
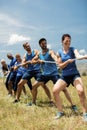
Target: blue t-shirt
<point x="71" y="68"/>
<point x="32" y="67"/>
<point x="12" y="62"/>
<point x="16" y="64"/>
<point x="49" y="69"/>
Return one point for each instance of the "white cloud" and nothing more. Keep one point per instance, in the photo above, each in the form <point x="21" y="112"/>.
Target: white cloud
<point x="82" y="51"/>
<point x="15" y="38"/>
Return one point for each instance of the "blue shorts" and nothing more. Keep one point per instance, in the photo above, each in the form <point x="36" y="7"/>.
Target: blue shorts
<point x="45" y="79"/>
<point x="29" y="74"/>
<point x="70" y="79"/>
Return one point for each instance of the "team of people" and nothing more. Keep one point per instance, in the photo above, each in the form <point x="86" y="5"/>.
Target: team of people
<point x="42" y="66"/>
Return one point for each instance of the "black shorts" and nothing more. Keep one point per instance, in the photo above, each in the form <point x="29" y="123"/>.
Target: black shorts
<point x="29" y="74"/>
<point x="70" y="79"/>
<point x="45" y="79"/>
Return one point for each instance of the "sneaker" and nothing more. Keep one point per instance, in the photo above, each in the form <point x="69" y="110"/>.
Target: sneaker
<point x="74" y="108"/>
<point x="59" y="115"/>
<point x="31" y="104"/>
<point x="16" y="101"/>
<point x="85" y="116"/>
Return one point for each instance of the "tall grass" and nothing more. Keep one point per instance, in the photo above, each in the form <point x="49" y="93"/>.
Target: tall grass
<point x="41" y="117"/>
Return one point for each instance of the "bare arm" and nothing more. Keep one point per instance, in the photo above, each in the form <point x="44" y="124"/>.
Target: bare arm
<point x="63" y="64"/>
<point x="78" y="56"/>
<point x="53" y="55"/>
<point x="5" y="72"/>
<point x="23" y="63"/>
<point x="36" y="59"/>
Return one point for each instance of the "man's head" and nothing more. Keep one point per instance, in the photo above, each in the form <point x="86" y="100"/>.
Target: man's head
<point x="43" y="43"/>
<point x="10" y="56"/>
<point x="26" y="46"/>
<point x="18" y="57"/>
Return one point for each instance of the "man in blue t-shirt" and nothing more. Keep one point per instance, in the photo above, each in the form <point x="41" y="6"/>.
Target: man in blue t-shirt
<point x="33" y="70"/>
<point x="11" y="77"/>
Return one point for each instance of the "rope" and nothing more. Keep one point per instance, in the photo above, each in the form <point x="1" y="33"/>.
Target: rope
<point x="49" y="62"/>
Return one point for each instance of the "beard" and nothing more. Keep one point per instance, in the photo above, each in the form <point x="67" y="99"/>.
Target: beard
<point x="44" y="47"/>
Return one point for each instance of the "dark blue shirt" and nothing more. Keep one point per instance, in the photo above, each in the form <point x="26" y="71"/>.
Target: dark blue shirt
<point x="71" y="68"/>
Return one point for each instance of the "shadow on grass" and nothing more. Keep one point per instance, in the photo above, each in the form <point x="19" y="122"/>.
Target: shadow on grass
<point x="46" y="104"/>
<point x="70" y="112"/>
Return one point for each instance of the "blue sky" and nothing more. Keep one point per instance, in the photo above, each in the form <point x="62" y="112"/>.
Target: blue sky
<point x="30" y="20"/>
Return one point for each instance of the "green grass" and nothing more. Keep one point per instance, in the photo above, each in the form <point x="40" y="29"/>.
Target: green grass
<point x="41" y="117"/>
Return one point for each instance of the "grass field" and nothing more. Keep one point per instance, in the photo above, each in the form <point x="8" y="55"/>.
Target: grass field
<point x="41" y="117"/>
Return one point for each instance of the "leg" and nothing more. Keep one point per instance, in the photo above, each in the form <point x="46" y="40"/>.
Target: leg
<point x="58" y="87"/>
<point x="24" y="90"/>
<point x="68" y="96"/>
<point x="20" y="87"/>
<point x="34" y="90"/>
<point x="79" y="86"/>
<point x="6" y="82"/>
<point x="11" y="82"/>
<point x="73" y="107"/>
<point x="10" y="86"/>
<point x="29" y="84"/>
<point x="47" y="91"/>
<point x="18" y="78"/>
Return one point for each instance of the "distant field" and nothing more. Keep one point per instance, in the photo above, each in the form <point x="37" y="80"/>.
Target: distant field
<point x="41" y="117"/>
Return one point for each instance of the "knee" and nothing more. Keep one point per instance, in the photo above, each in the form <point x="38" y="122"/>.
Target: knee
<point x="19" y="85"/>
<point x="55" y="90"/>
<point x="80" y="92"/>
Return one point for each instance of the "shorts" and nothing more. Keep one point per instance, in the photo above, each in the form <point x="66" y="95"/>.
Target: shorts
<point x="29" y="74"/>
<point x="45" y="79"/>
<point x="17" y="80"/>
<point x="70" y="79"/>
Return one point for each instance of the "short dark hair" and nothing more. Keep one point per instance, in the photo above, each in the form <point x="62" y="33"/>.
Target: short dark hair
<point x="9" y="54"/>
<point x="65" y="35"/>
<point x="42" y="39"/>
<point x="24" y="44"/>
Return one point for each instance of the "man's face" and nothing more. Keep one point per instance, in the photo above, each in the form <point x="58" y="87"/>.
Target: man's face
<point x="43" y="45"/>
<point x="18" y="58"/>
<point x="27" y="47"/>
<point x="10" y="57"/>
